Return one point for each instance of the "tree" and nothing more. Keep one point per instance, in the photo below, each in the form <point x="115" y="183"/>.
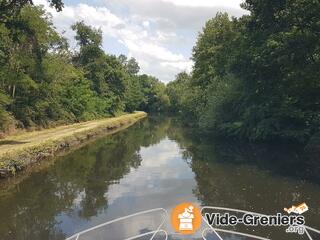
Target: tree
<point x="132" y="66"/>
<point x="5" y="117"/>
<point x="280" y="55"/>
<point x="155" y="94"/>
<point x="256" y="77"/>
<point x="43" y="83"/>
<point x="134" y="96"/>
<point x="89" y="40"/>
<point x="9" y="9"/>
<point x="25" y="46"/>
<point x="177" y="91"/>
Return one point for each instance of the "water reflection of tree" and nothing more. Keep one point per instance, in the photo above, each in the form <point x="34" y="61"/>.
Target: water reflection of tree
<point x="77" y="184"/>
<point x="247" y="176"/>
<point x="254" y="177"/>
<point x="283" y="159"/>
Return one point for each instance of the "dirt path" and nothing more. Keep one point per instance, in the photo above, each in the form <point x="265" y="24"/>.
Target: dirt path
<point x="14" y="147"/>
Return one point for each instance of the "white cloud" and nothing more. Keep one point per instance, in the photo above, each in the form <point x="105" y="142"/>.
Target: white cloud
<point x="182" y="65"/>
<point x="206" y="3"/>
<point x="146" y="24"/>
<point x="148" y="29"/>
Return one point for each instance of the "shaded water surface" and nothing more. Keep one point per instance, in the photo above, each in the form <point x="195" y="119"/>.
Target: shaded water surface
<point x="156" y="164"/>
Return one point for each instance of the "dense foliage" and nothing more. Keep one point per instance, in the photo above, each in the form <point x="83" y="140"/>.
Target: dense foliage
<point x="256" y="77"/>
<point x="44" y="83"/>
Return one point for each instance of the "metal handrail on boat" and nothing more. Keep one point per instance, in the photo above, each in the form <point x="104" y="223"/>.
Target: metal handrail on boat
<point x="231" y="232"/>
<point x="77" y="235"/>
<point x="215" y="230"/>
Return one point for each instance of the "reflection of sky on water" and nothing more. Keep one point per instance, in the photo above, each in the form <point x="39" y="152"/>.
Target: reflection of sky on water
<point x="161" y="173"/>
<point x="116" y="176"/>
<point x="163" y="180"/>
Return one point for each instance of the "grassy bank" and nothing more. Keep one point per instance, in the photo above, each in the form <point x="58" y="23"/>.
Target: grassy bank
<point x="17" y="152"/>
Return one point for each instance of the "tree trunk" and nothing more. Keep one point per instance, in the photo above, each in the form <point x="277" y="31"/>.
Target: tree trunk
<point x="13" y="91"/>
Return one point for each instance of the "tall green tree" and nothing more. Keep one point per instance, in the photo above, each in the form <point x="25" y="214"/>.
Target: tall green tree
<point x="43" y="83"/>
<point x="256" y="77"/>
<point x="281" y="55"/>
<point x="105" y="72"/>
<point x="9" y="9"/>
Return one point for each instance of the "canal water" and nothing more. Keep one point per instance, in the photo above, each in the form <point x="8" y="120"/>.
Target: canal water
<point x="157" y="163"/>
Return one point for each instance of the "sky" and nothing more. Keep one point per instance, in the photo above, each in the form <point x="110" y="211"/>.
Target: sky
<point x="159" y="34"/>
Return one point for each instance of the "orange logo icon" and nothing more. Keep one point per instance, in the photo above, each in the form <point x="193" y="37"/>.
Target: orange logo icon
<point x="186" y="218"/>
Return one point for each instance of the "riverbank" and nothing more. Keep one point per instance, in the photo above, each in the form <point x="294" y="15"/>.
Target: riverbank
<point x="20" y="151"/>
